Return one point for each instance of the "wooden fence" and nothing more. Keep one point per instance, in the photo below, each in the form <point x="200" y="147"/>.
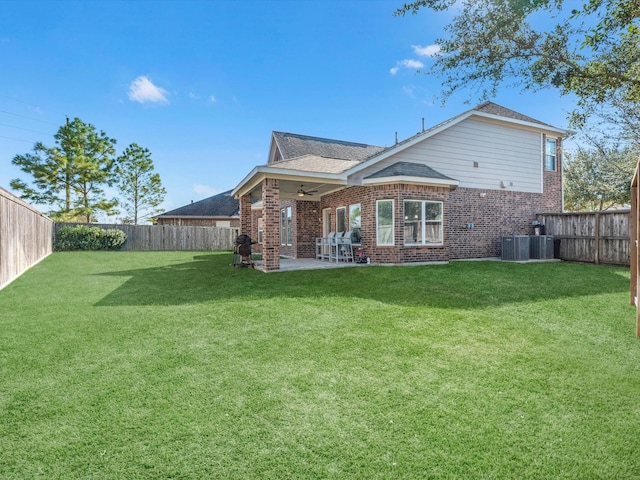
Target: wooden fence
<point x="598" y="237"/>
<point x="172" y="237"/>
<point x="25" y="237"/>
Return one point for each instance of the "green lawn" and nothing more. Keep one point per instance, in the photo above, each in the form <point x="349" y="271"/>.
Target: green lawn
<point x="178" y="366"/>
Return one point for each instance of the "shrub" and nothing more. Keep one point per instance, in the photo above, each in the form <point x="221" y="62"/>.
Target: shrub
<point x="85" y="237"/>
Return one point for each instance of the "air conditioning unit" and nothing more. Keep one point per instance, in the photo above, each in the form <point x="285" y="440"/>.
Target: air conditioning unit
<point x="541" y="247"/>
<point x="515" y="247"/>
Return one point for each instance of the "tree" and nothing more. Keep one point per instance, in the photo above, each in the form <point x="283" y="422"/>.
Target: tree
<point x="590" y="51"/>
<point x="598" y="177"/>
<point x="141" y="189"/>
<point x="70" y="176"/>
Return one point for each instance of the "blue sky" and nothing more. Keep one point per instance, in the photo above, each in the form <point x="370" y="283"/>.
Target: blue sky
<point x="202" y="84"/>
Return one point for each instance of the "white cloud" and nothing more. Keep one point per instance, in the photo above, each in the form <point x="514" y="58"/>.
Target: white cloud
<point x="407" y="63"/>
<point x="193" y="96"/>
<point x="143" y="90"/>
<point x="428" y="51"/>
<point x="205" y="190"/>
<point x="212" y="99"/>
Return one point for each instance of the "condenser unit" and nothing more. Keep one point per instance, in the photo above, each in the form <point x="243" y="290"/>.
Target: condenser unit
<point x="541" y="246"/>
<point x="515" y="247"/>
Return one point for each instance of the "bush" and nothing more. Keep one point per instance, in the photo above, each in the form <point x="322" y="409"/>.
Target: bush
<point x="84" y="237"/>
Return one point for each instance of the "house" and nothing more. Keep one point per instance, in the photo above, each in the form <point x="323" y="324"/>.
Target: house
<point x="449" y="192"/>
<point x="222" y="210"/>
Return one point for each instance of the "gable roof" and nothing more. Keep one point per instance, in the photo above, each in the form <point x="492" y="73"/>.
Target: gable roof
<point x="297" y="158"/>
<point x="221" y="205"/>
<point x="292" y="145"/>
<point x="314" y="163"/>
<point x="499" y="110"/>
<point x="488" y="110"/>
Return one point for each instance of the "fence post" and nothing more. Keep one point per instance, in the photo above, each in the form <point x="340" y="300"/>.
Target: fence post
<point x="597" y="233"/>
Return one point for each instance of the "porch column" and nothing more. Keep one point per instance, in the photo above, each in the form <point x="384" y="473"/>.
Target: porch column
<point x="271" y="224"/>
<point x="245" y="215"/>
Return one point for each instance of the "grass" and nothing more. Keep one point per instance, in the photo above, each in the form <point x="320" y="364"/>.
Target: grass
<point x="178" y="366"/>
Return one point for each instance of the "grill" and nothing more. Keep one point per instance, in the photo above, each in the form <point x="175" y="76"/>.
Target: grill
<point x="242" y="252"/>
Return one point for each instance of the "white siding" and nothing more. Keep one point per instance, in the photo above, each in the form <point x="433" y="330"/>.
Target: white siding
<point x="503" y="153"/>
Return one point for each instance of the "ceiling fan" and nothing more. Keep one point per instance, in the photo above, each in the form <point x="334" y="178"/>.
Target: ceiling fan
<point x="302" y="192"/>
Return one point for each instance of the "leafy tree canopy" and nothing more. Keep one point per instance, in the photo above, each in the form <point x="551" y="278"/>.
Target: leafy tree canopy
<point x="590" y="49"/>
<point x="71" y="175"/>
<point x="140" y="188"/>
<point x="597" y="177"/>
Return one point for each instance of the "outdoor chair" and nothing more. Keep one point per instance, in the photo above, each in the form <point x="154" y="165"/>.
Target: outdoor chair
<point x="345" y="248"/>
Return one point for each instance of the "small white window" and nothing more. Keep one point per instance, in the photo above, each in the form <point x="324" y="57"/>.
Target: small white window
<point x="341" y="219"/>
<point x="286" y="235"/>
<point x="384" y="222"/>
<point x="355" y="222"/>
<point x="550" y="155"/>
<point x="260" y="229"/>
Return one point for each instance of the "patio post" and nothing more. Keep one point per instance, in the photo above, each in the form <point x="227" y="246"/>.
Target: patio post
<point x="245" y="215"/>
<point x="271" y="224"/>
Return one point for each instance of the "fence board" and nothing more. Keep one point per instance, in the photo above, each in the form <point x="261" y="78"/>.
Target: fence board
<point x="172" y="237"/>
<point x="599" y="237"/>
<point x="25" y="237"/>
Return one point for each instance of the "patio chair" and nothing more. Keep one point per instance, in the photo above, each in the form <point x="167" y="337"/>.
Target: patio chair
<point x="334" y="246"/>
<point x="322" y="246"/>
<point x="345" y="248"/>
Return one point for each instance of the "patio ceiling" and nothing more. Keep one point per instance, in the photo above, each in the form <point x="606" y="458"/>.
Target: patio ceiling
<point x="289" y="189"/>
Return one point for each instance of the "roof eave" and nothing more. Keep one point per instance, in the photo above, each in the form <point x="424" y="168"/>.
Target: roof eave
<point x="437" y="182"/>
<point x="258" y="174"/>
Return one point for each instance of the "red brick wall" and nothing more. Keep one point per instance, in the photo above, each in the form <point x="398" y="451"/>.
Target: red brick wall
<point x="495" y="215"/>
<point x="245" y="215"/>
<point x="307" y="225"/>
<point x="271" y="234"/>
<point x="367" y="197"/>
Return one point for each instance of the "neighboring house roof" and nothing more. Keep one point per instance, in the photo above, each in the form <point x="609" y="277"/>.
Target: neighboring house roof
<point x="292" y="145"/>
<point x="221" y="205"/>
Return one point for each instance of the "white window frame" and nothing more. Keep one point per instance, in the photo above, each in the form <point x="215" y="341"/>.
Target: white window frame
<point x="379" y="241"/>
<point x="260" y="229"/>
<point x="286" y="236"/>
<point x="550" y="157"/>
<point x="341" y="211"/>
<point x="424" y="223"/>
<point x="355" y="221"/>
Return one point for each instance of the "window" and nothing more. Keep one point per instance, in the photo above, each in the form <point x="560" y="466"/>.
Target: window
<point x="341" y="219"/>
<point x="384" y="222"/>
<point x="260" y="229"/>
<point x="550" y="155"/>
<point x="422" y="222"/>
<point x="286" y="236"/>
<point x="354" y="222"/>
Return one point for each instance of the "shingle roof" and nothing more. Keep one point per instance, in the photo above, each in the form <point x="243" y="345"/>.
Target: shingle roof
<point x="292" y="145"/>
<point x="495" y="109"/>
<point x="408" y="169"/>
<point x="221" y="205"/>
<point x="314" y="163"/>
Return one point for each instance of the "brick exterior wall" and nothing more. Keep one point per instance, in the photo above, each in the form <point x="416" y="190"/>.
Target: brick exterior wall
<point x="493" y="213"/>
<point x="496" y="214"/>
<point x="245" y="215"/>
<point x="307" y="225"/>
<point x="271" y="233"/>
<point x="367" y="197"/>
